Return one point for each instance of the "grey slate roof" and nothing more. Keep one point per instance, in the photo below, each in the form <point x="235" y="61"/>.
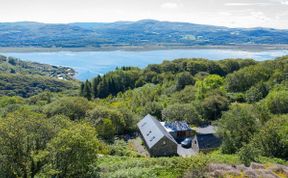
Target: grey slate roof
<point x="208" y="141"/>
<point x="152" y="131"/>
<point x="206" y="130"/>
<point x="177" y="126"/>
<point x="207" y="138"/>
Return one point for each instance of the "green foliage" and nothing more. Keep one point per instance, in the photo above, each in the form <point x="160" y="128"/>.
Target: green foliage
<point x="86" y="90"/>
<point x="245" y="78"/>
<point x="256" y="93"/>
<point x="73" y="151"/>
<point x="73" y="107"/>
<point x="249" y="153"/>
<point x="277" y="101"/>
<point x="184" y="79"/>
<point x="125" y="78"/>
<point x="23" y="134"/>
<point x="209" y="83"/>
<point x="213" y="105"/>
<point x="179" y="112"/>
<point x="272" y="140"/>
<point x="237" y="127"/>
<point x="17" y="66"/>
<point x="121" y="148"/>
<point x="29" y="85"/>
<point x="106" y="129"/>
<point x="153" y="108"/>
<point x="165" y="90"/>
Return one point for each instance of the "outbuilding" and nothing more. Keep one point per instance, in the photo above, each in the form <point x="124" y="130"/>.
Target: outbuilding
<point x="205" y="139"/>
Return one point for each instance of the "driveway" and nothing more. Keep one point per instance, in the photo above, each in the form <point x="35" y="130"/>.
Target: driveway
<point x="185" y="152"/>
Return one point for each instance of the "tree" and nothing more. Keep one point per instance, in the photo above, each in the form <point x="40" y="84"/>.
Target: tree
<point x="209" y="83"/>
<point x="180" y="112"/>
<point x="87" y="91"/>
<point x="256" y="93"/>
<point x="95" y="83"/>
<point x="184" y="79"/>
<point x="103" y="90"/>
<point x="73" y="107"/>
<point x="249" y="153"/>
<point x="237" y="127"/>
<point x="73" y="151"/>
<point x="245" y="78"/>
<point x="277" y="101"/>
<point x="106" y="129"/>
<point x="213" y="106"/>
<point x="153" y="108"/>
<point x="82" y="89"/>
<point x="272" y="139"/>
<point x="23" y="135"/>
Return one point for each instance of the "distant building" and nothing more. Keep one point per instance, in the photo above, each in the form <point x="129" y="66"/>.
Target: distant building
<point x="205" y="139"/>
<point x="178" y="129"/>
<point x="158" y="141"/>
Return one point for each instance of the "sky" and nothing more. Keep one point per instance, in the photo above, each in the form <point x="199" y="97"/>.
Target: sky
<point x="231" y="13"/>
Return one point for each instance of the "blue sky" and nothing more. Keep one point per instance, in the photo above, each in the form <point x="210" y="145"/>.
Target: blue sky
<point x="232" y="13"/>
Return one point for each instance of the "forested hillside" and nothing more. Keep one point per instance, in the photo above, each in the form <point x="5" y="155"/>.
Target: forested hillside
<point x="25" y="79"/>
<point x="141" y="34"/>
<point x="93" y="134"/>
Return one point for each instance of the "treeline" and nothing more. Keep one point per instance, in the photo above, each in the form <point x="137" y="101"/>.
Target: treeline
<point x="183" y="70"/>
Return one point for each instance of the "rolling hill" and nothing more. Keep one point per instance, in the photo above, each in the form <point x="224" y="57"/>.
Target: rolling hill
<point x="136" y="34"/>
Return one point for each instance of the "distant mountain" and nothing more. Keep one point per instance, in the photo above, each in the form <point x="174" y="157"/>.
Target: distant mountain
<point x="139" y="33"/>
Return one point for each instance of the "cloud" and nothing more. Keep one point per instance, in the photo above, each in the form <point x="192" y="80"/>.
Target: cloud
<point x="284" y="2"/>
<point x="246" y="4"/>
<point x="170" y="5"/>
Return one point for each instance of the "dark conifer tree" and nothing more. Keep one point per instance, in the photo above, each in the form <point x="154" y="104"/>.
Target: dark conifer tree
<point x="87" y="90"/>
<point x="82" y="89"/>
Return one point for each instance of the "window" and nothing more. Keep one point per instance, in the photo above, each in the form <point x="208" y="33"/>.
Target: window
<point x="152" y="138"/>
<point x="149" y="133"/>
<point x="143" y="124"/>
<point x="164" y="142"/>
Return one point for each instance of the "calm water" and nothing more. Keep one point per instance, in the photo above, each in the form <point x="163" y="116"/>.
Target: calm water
<point x="90" y="64"/>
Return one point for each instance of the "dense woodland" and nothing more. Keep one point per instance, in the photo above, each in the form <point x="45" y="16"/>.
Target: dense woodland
<point x="88" y="133"/>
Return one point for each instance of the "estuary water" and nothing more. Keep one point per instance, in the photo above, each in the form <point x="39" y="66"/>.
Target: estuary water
<point x="91" y="63"/>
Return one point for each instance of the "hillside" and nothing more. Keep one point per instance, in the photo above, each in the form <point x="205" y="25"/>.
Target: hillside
<point x="142" y="33"/>
<point x="25" y="79"/>
<point x="94" y="134"/>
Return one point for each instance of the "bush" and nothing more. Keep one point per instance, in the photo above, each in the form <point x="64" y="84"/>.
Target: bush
<point x="272" y="139"/>
<point x="73" y="107"/>
<point x="178" y="112"/>
<point x="249" y="153"/>
<point x="237" y="127"/>
<point x="73" y="151"/>
<point x="277" y="101"/>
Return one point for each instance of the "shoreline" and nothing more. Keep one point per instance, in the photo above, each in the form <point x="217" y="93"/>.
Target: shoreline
<point x="252" y="48"/>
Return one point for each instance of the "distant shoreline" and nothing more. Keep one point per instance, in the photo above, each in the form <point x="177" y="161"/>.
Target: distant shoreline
<point x="144" y="48"/>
